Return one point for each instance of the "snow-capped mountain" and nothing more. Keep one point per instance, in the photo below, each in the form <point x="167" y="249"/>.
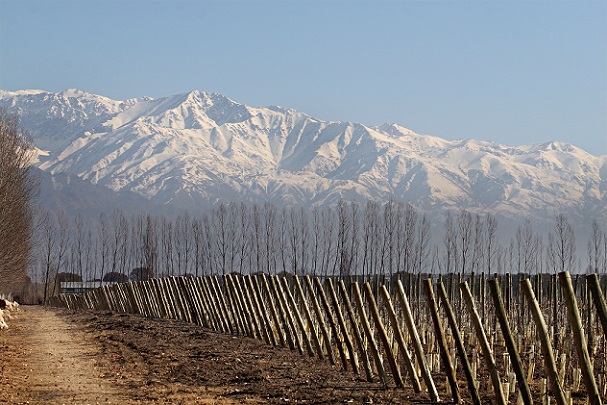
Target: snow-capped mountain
<point x="191" y="150"/>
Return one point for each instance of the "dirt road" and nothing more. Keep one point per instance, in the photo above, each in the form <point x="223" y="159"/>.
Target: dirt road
<point x="58" y="357"/>
<point x="46" y="359"/>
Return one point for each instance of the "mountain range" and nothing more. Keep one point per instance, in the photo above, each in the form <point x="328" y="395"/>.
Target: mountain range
<point x="191" y="150"/>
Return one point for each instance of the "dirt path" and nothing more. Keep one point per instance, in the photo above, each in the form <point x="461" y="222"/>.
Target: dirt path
<point x="45" y="359"/>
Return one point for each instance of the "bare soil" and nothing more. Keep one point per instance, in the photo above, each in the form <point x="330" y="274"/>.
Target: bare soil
<point x="51" y="356"/>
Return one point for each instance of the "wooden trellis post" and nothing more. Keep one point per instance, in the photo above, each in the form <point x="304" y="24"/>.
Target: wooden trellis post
<point x="321" y="321"/>
<point x="509" y="340"/>
<point x="309" y="320"/>
<point x="482" y="338"/>
<point x="332" y="324"/>
<point x="599" y="299"/>
<point x="442" y="342"/>
<point x="297" y="315"/>
<point x="542" y="330"/>
<point x="579" y="338"/>
<point x="381" y="330"/>
<point x="459" y="344"/>
<point x="272" y="305"/>
<point x="400" y="339"/>
<point x="342" y="325"/>
<point x="417" y="343"/>
<point x="369" y="333"/>
<point x="356" y="331"/>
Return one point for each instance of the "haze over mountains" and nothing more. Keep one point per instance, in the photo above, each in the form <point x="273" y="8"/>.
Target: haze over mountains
<point x="192" y="150"/>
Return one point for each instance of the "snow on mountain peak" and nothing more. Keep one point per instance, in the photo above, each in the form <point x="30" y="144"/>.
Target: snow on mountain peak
<point x="74" y="93"/>
<point x="209" y="147"/>
<point x="5" y="93"/>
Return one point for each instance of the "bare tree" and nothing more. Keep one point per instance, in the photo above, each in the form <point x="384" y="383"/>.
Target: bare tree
<point x="244" y="236"/>
<point x="408" y="241"/>
<point x="16" y="191"/>
<point x="257" y="238"/>
<point x="78" y="253"/>
<point x="478" y="252"/>
<point x="343" y="238"/>
<point x="490" y="234"/>
<point x="269" y="218"/>
<point x="563" y="244"/>
<point x="328" y="237"/>
<point x="47" y="224"/>
<point x="208" y="246"/>
<point x="317" y="236"/>
<point x="390" y="232"/>
<point x="103" y="239"/>
<point x="119" y="242"/>
<point x="450" y="242"/>
<point x="63" y="238"/>
<point x="145" y="242"/>
<point x="369" y="235"/>
<point x="198" y="246"/>
<point x="183" y="243"/>
<point x="526" y="248"/>
<point x="595" y="247"/>
<point x="166" y="240"/>
<point x="355" y="237"/>
<point x="464" y="224"/>
<point x="286" y="242"/>
<point x="422" y="245"/>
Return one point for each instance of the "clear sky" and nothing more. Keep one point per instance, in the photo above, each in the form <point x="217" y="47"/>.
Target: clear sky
<point x="509" y="71"/>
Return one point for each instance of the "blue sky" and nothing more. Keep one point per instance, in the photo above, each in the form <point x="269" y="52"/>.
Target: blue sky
<point x="510" y="71"/>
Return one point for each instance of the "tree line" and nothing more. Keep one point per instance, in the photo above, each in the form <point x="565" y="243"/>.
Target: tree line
<point x="369" y="239"/>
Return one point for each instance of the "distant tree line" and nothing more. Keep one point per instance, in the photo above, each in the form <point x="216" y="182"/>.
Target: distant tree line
<point x="350" y="238"/>
<point x="17" y="188"/>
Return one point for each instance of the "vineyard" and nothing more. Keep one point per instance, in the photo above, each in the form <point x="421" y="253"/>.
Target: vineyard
<point x="461" y="338"/>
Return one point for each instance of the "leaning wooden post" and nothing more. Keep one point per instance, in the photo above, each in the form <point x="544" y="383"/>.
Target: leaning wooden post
<point x="369" y="333"/>
<point x="219" y="319"/>
<point x="243" y="290"/>
<point x="297" y="315"/>
<point x="236" y="306"/>
<point x="579" y="338"/>
<point x="515" y="359"/>
<point x="258" y="283"/>
<point x="417" y="343"/>
<point x="482" y="338"/>
<point x="356" y="331"/>
<point x="332" y="324"/>
<point x="321" y="320"/>
<point x="599" y="299"/>
<point x="288" y="316"/>
<point x="309" y="320"/>
<point x="342" y="324"/>
<point x="459" y="344"/>
<point x="542" y="331"/>
<point x="400" y="339"/>
<point x="290" y="338"/>
<point x="442" y="341"/>
<point x="263" y="325"/>
<point x="272" y="304"/>
<point x="379" y="326"/>
<point x="226" y="309"/>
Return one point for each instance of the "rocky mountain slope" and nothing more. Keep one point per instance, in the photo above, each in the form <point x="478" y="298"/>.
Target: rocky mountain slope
<point x="192" y="150"/>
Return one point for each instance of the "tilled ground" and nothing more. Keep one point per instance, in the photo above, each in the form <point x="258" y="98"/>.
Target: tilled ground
<point x="173" y="361"/>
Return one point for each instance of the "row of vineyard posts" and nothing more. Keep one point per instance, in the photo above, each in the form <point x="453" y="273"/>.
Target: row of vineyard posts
<point x="461" y="338"/>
